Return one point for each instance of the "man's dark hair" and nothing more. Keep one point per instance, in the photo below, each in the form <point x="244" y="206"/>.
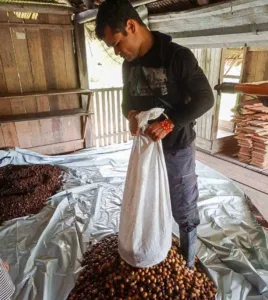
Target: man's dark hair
<point x="115" y="14"/>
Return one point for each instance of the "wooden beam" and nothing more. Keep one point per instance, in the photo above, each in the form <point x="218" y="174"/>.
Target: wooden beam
<point x="247" y="23"/>
<point x="250" y="49"/>
<point x="80" y="42"/>
<point x="37" y="26"/>
<point x="44" y="8"/>
<point x="43" y="115"/>
<point x="4" y="96"/>
<point x="208" y="11"/>
<point x="224" y="40"/>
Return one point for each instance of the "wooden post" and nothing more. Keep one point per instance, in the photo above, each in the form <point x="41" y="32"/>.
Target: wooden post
<point x="80" y="42"/>
<point x="218" y="102"/>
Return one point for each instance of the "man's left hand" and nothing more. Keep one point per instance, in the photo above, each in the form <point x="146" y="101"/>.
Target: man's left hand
<point x="155" y="131"/>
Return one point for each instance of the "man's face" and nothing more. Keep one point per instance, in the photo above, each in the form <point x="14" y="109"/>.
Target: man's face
<point x="126" y="46"/>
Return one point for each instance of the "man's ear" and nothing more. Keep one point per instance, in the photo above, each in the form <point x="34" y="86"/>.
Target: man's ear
<point x="131" y="26"/>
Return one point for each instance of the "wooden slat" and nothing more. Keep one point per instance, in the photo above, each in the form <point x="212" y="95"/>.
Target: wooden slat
<point x="60" y="148"/>
<point x="41" y="130"/>
<point x="81" y="55"/>
<point x="105" y="116"/>
<point x="42" y="115"/>
<point x="55" y="52"/>
<point x="218" y="98"/>
<point x="120" y="117"/>
<point x="252" y="61"/>
<point x="24" y="131"/>
<point x="114" y="116"/>
<point x="99" y="118"/>
<point x="3" y="16"/>
<point x="2" y="140"/>
<point x="261" y="66"/>
<point x="9" y="61"/>
<point x="10" y="134"/>
<point x="110" y="117"/>
<point x="12" y="82"/>
<point x="37" y="63"/>
<point x="36" y="26"/>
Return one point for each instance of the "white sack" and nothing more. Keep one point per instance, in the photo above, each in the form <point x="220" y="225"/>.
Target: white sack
<point x="145" y="230"/>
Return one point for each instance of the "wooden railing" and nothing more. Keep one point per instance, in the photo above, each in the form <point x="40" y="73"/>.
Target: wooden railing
<point x="109" y="124"/>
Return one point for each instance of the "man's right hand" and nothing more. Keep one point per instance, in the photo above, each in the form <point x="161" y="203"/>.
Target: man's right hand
<point x="133" y="123"/>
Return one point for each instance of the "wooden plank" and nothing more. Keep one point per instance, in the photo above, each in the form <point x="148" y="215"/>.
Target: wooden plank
<point x="105" y="117"/>
<point x="109" y="117"/>
<point x="99" y="118"/>
<point x="44" y="93"/>
<point x="10" y="135"/>
<point x="70" y="63"/>
<point x="124" y="122"/>
<point x="114" y="116"/>
<point x="88" y="129"/>
<point x="37" y="63"/>
<point x="46" y="131"/>
<point x="72" y="101"/>
<point x="3" y="16"/>
<point x="5" y="106"/>
<point x="20" y="48"/>
<point x="80" y="42"/>
<point x="261" y="66"/>
<point x="218" y="99"/>
<point x="42" y="115"/>
<point x="9" y="61"/>
<point x="94" y="121"/>
<point x="47" y="50"/>
<point x="39" y="103"/>
<point x="252" y="48"/>
<point x="252" y="59"/>
<point x="60" y="70"/>
<point x="120" y="117"/>
<point x="59" y="148"/>
<point x="13" y="84"/>
<point x="36" y="26"/>
<point x="29" y="7"/>
<point x="2" y="140"/>
<point x="81" y="55"/>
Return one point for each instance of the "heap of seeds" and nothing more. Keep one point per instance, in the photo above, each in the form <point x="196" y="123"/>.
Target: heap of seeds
<point x="107" y="276"/>
<point x="25" y="189"/>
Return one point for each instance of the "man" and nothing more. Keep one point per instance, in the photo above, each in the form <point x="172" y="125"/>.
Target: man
<point x="160" y="73"/>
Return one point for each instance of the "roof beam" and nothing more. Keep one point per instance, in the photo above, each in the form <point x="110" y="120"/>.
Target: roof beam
<point x="246" y="24"/>
<point x="44" y="8"/>
<point x="208" y="11"/>
<point x="224" y="41"/>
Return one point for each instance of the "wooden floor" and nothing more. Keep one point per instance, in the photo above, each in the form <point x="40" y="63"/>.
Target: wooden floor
<point x="254" y="184"/>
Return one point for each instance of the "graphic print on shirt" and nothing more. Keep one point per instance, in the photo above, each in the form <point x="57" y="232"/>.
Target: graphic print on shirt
<point x="141" y="77"/>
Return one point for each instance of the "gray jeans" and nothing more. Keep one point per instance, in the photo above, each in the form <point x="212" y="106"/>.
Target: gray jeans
<point x="184" y="195"/>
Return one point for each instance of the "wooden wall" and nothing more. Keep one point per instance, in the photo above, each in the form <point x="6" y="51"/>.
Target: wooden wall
<point x="210" y="61"/>
<point x="256" y="64"/>
<point x="35" y="58"/>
